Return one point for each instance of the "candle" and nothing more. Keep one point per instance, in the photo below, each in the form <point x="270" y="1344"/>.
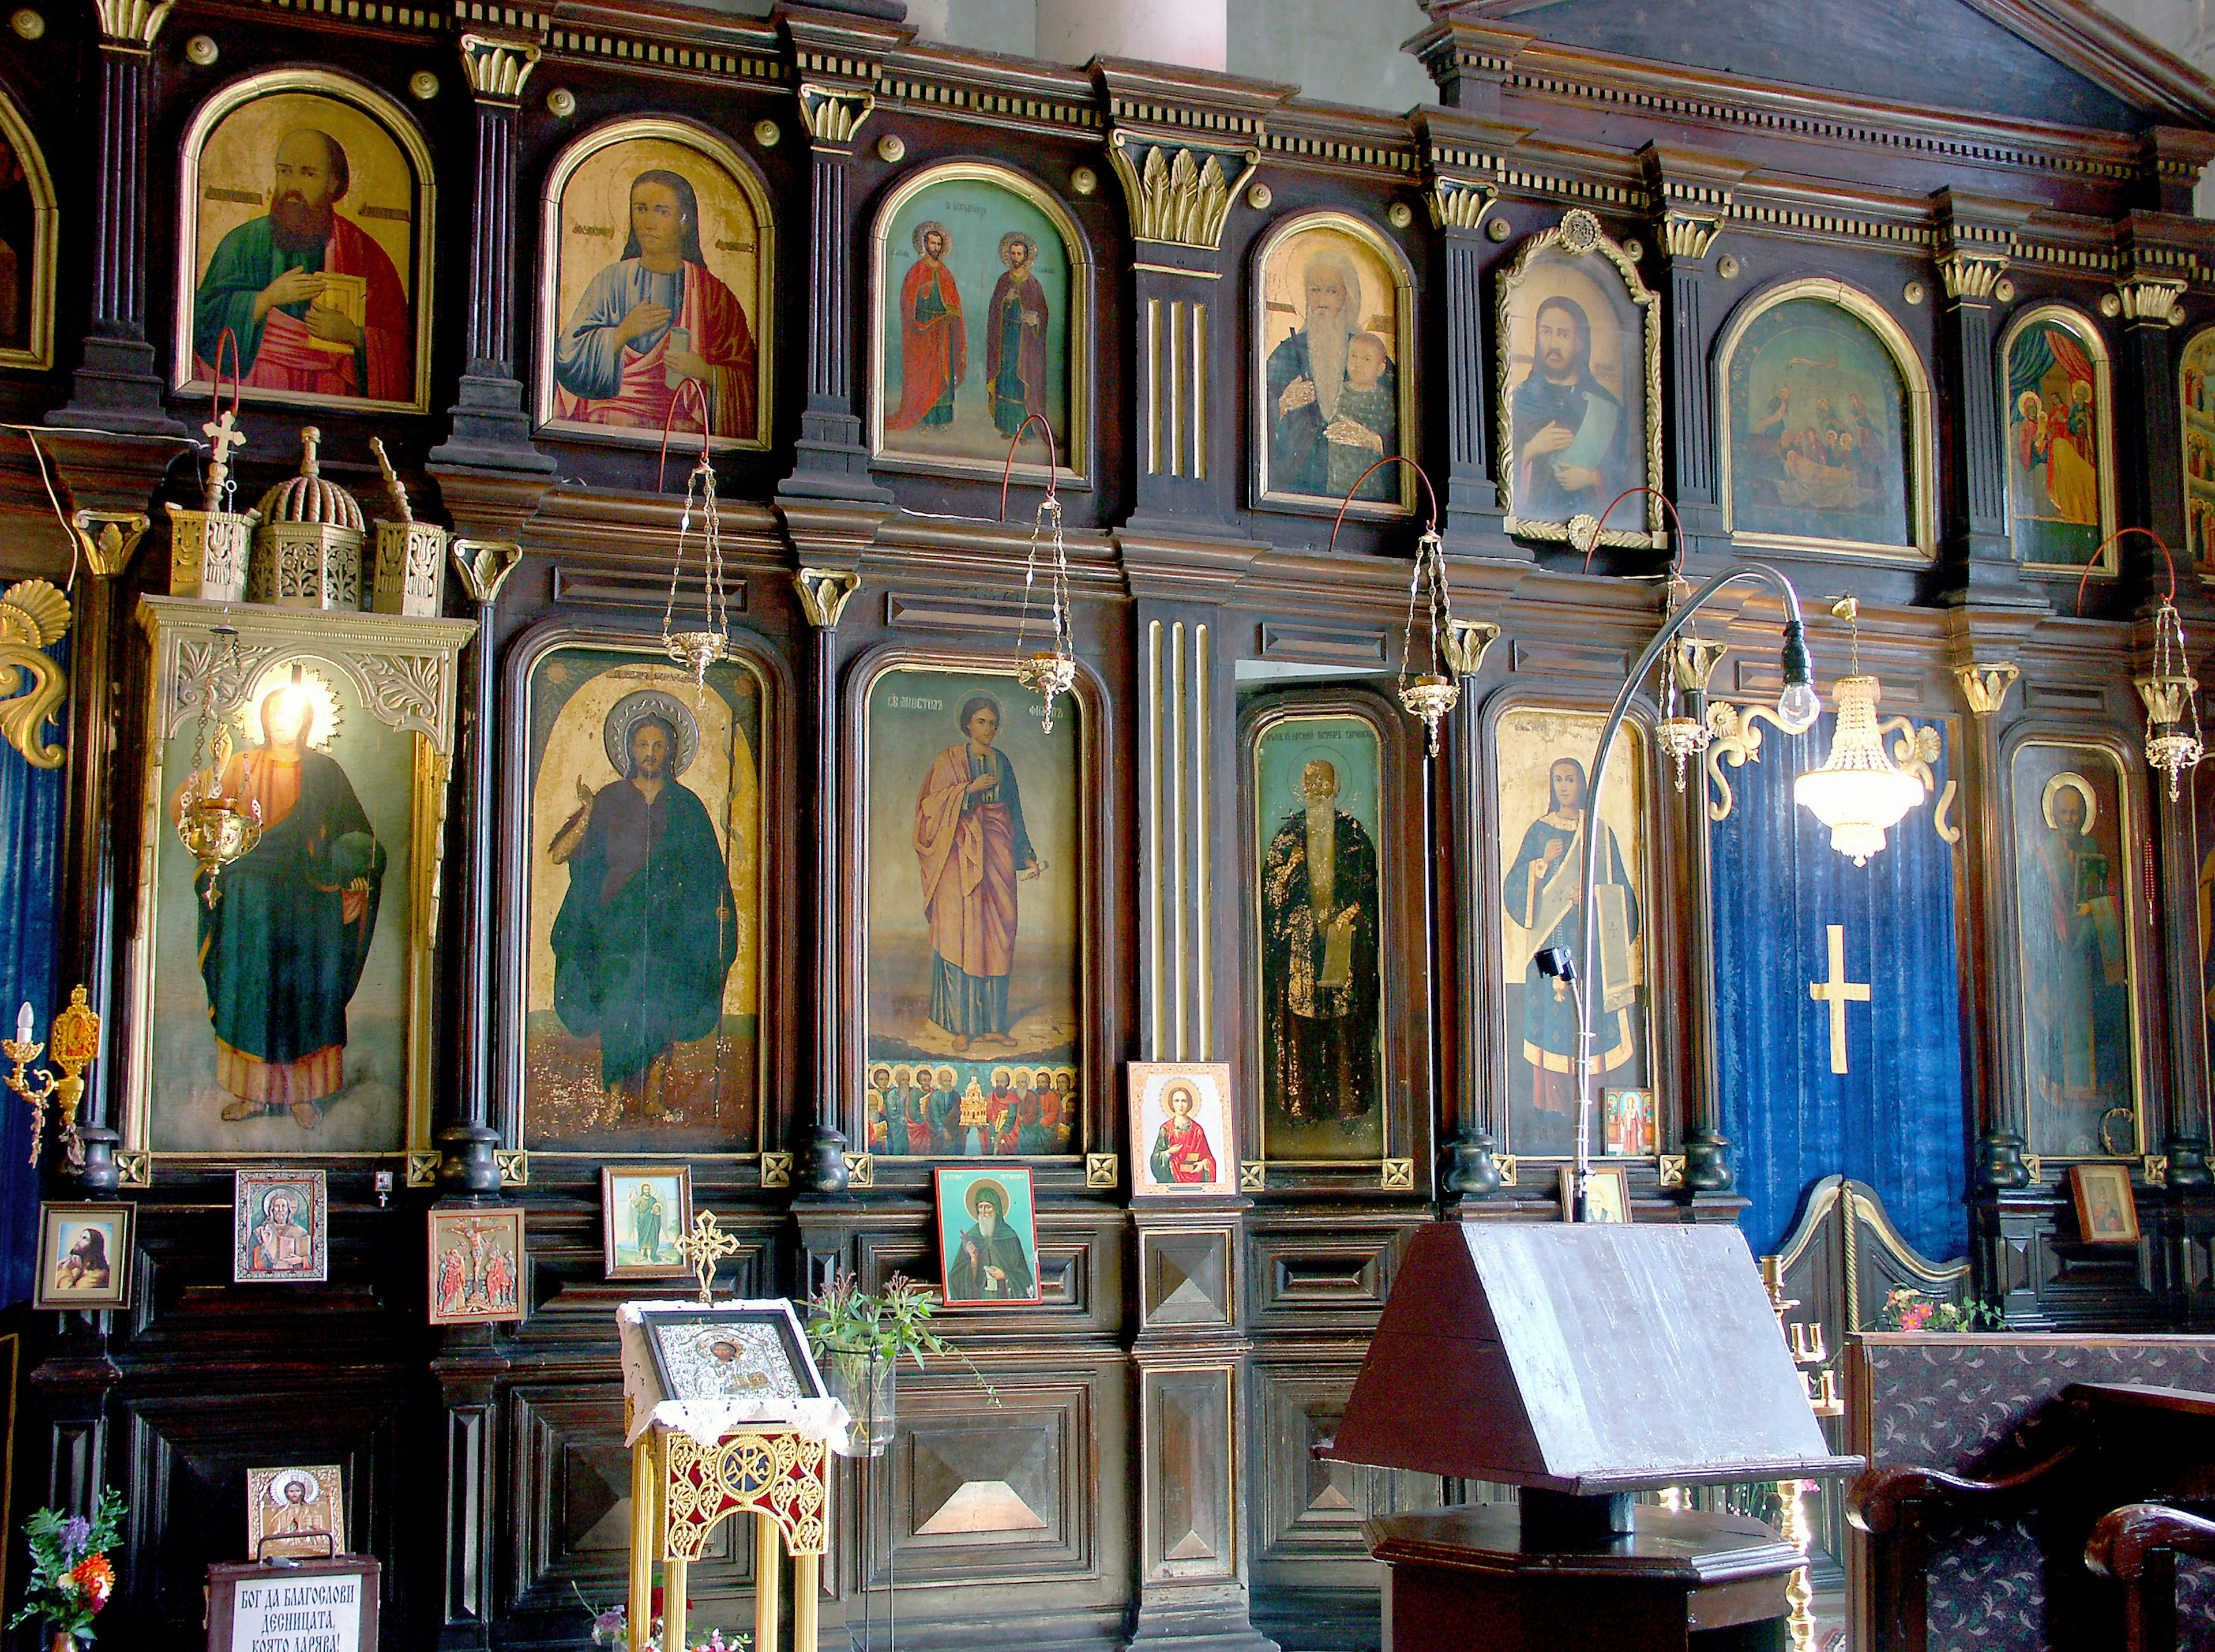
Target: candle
<point x="23" y="1024"/>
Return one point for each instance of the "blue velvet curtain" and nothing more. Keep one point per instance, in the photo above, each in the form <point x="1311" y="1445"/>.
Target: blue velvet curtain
<point x="1896" y="1118"/>
<point x="31" y="812"/>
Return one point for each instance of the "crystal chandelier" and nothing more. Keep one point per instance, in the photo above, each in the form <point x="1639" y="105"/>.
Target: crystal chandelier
<point x="701" y="649"/>
<point x="1859" y="792"/>
<point x="215" y="827"/>
<point x="1049" y="671"/>
<point x="2172" y="702"/>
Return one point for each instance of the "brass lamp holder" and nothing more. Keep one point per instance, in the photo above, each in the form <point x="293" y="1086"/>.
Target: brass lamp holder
<point x="216" y="829"/>
<point x="75" y="1033"/>
<point x="1051" y="671"/>
<point x="709" y="643"/>
<point x="1429" y="695"/>
<point x="2172" y="741"/>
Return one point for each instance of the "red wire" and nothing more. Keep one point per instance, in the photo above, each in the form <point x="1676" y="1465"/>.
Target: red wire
<point x="238" y="384"/>
<point x="2167" y="555"/>
<point x="699" y="395"/>
<point x="1052" y="460"/>
<point x="1390" y="459"/>
<point x="1676" y="553"/>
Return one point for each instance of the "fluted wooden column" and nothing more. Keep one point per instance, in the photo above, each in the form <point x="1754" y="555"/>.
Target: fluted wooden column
<point x="116" y="385"/>
<point x="491" y="426"/>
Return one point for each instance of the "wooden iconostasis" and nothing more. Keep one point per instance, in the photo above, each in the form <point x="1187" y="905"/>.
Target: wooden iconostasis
<point x="1934" y="357"/>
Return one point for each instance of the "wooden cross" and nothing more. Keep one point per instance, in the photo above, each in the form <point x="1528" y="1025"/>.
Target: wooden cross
<point x="223" y="437"/>
<point x="703" y="1247"/>
<point x="1838" y="993"/>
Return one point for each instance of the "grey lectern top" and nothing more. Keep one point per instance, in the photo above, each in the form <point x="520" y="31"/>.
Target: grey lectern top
<point x="1582" y="1358"/>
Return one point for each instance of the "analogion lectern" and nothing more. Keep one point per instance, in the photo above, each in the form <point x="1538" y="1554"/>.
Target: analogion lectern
<point x="1582" y="1362"/>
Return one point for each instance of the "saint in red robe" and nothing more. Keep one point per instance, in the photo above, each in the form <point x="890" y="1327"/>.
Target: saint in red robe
<point x="933" y="346"/>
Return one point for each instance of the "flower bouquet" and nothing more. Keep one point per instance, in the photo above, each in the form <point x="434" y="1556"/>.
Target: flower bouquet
<point x="1907" y="1309"/>
<point x="71" y="1577"/>
<point x="611" y="1628"/>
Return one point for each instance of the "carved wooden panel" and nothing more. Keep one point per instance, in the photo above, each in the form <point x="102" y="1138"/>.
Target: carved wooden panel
<point x="1191" y="1530"/>
<point x="1305" y="1512"/>
<point x="568" y="1473"/>
<point x="1312" y="1273"/>
<point x="1186" y="1276"/>
<point x="1080" y="1269"/>
<point x="973" y="1492"/>
<point x="183" y="1477"/>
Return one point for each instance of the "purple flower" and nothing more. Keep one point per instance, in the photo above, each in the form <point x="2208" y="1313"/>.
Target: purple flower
<point x="77" y="1535"/>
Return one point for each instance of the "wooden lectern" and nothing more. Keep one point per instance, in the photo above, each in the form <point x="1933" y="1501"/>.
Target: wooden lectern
<point x="1582" y="1362"/>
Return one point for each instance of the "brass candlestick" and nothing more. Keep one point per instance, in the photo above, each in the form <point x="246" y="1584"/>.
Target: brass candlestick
<point x="1805" y="1339"/>
<point x="75" y="1041"/>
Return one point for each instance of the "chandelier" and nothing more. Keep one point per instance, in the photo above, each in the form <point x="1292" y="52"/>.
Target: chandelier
<point x="1859" y="792"/>
<point x="2172" y="702"/>
<point x="700" y="648"/>
<point x="215" y="827"/>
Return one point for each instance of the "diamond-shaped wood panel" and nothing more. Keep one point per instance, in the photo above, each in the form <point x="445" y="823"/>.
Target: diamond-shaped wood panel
<point x="1309" y="1512"/>
<point x="1187" y="1277"/>
<point x="1190" y="1531"/>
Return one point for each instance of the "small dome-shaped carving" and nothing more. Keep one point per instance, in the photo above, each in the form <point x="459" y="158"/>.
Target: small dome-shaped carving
<point x="307" y="499"/>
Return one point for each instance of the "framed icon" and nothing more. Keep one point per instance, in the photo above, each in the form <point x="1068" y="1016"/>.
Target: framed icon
<point x="84" y="1256"/>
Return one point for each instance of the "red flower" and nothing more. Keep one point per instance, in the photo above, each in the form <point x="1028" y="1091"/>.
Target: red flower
<point x="96" y="1578"/>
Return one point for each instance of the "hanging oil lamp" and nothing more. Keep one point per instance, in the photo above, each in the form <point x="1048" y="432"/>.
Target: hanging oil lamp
<point x="1051" y="671"/>
<point x="701" y="649"/>
<point x="1686" y="667"/>
<point x="1428" y="695"/>
<point x="216" y="828"/>
<point x="2172" y="702"/>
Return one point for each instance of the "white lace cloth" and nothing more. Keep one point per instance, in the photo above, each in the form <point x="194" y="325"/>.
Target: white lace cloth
<point x="708" y="1421"/>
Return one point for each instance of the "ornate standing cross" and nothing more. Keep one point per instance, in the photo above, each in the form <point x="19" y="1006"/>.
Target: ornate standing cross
<point x="703" y="1247"/>
<point x="1838" y="993"/>
<point x="224" y="437"/>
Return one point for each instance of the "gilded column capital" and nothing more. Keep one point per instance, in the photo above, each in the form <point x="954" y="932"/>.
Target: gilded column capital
<point x="1971" y="275"/>
<point x="823" y="594"/>
<point x="109" y="539"/>
<point x="1984" y="685"/>
<point x="131" y="25"/>
<point x="1456" y="204"/>
<point x="834" y="115"/>
<point x="498" y="64"/>
<point x="484" y="566"/>
<point x="2148" y="298"/>
<point x="1689" y="235"/>
<point x="1178" y="192"/>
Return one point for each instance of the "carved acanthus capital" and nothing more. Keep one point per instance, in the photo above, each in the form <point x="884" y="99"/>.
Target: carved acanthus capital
<point x="484" y="566"/>
<point x="1986" y="685"/>
<point x="498" y="65"/>
<point x="131" y="25"/>
<point x="1689" y="235"/>
<point x="109" y="539"/>
<point x="1456" y="205"/>
<point x="823" y="594"/>
<point x="1465" y="644"/>
<point x="1177" y="192"/>
<point x="2148" y="298"/>
<point x="1971" y="275"/>
<point x="834" y="113"/>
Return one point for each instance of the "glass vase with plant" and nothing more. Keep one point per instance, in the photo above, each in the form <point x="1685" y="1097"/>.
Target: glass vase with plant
<point x="859" y="1339"/>
<point x="71" y="1577"/>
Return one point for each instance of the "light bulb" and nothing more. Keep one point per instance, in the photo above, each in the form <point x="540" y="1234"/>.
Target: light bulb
<point x="1798" y="707"/>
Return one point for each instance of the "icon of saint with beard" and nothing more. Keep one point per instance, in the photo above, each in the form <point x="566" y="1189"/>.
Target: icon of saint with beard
<point x="313" y="301"/>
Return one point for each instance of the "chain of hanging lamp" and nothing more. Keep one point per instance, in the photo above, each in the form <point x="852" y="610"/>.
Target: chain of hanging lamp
<point x="711" y="643"/>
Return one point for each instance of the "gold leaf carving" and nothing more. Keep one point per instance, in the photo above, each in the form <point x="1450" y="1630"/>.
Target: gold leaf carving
<point x="1180" y="195"/>
<point x="33" y="615"/>
<point x="2145" y="300"/>
<point x="833" y="116"/>
<point x="498" y="68"/>
<point x="1458" y="205"/>
<point x="1985" y="686"/>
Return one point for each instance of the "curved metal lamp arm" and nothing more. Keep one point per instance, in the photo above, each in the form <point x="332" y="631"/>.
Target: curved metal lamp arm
<point x="1588" y="926"/>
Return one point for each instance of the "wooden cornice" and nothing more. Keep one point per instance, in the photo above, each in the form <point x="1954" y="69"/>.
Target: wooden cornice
<point x="2110" y="54"/>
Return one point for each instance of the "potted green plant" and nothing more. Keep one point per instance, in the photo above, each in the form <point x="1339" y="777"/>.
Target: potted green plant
<point x="71" y="1577"/>
<point x="859" y="1339"/>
